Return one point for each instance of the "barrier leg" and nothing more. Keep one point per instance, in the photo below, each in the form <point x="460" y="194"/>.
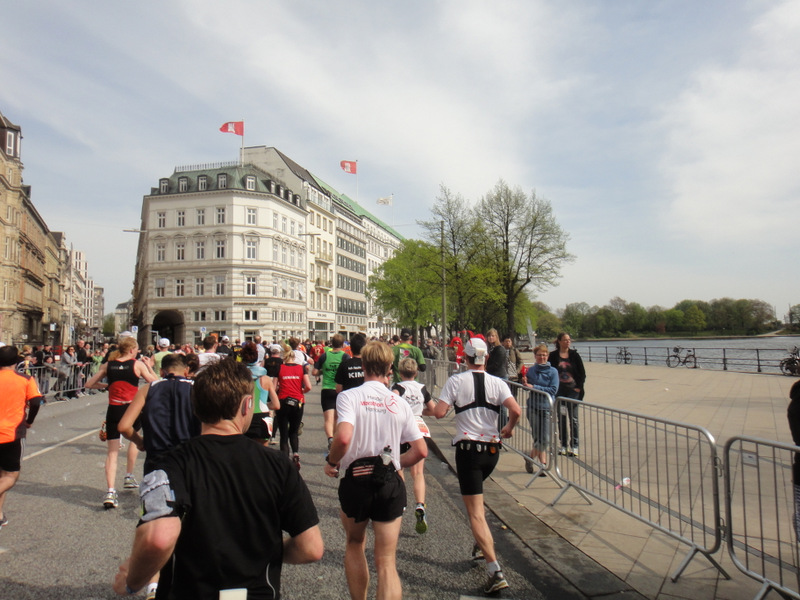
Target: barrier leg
<point x="564" y="491"/>
<point x="695" y="550"/>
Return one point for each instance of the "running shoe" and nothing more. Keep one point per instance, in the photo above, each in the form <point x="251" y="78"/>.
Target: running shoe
<point x="3" y="521"/>
<point x="110" y="500"/>
<point x="477" y="553"/>
<point x="574" y="451"/>
<point x="151" y="595"/>
<point x="130" y="483"/>
<point x="529" y="466"/>
<point x="296" y="459"/>
<point x="422" y="519"/>
<point x="563" y="451"/>
<point x="300" y="429"/>
<point x="495" y="583"/>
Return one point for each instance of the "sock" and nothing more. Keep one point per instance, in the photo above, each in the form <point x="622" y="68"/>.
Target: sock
<point x="492" y="567"/>
<point x="112" y="489"/>
<point x="151" y="587"/>
<point x="128" y="474"/>
<point x="420" y="505"/>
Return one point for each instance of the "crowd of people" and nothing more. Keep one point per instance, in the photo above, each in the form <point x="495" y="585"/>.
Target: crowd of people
<point x="201" y="406"/>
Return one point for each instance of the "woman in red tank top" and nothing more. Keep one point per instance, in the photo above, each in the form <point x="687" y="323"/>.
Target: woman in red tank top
<point x="122" y="372"/>
<point x="293" y="383"/>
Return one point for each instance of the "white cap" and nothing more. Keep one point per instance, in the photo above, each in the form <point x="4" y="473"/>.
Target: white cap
<point x="476" y="348"/>
<point x="163" y="343"/>
<point x="125" y="334"/>
<point x="225" y="338"/>
<point x="275" y="348"/>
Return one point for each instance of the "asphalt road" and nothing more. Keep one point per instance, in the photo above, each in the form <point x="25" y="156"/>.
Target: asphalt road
<point x="60" y="542"/>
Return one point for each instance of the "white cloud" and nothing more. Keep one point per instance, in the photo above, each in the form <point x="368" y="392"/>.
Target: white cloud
<point x="733" y="153"/>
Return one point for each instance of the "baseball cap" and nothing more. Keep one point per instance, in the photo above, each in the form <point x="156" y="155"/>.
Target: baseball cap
<point x="225" y="338"/>
<point x="476" y="348"/>
<point x="405" y="333"/>
<point x="163" y="343"/>
<point x="9" y="356"/>
<point x="275" y="348"/>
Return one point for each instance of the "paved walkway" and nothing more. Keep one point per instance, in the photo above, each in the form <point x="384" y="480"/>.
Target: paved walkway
<point x="582" y="541"/>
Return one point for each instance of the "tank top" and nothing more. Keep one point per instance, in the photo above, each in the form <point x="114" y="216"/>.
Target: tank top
<point x="123" y="382"/>
<point x="290" y="382"/>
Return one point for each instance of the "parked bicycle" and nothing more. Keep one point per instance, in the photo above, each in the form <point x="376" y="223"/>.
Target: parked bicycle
<point x="623" y="356"/>
<point x="682" y="356"/>
<point x="791" y="364"/>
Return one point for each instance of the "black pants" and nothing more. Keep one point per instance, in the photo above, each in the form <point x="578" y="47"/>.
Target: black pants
<point x="287" y="421"/>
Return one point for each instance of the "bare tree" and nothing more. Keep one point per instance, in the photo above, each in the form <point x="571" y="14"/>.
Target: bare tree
<point x="522" y="240"/>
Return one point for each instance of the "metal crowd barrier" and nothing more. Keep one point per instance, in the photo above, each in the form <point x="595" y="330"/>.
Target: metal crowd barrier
<point x="666" y="474"/>
<point x="760" y="511"/>
<point x="57" y="382"/>
<point x="661" y="472"/>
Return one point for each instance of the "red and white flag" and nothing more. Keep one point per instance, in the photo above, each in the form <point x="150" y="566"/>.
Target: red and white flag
<point x="349" y="166"/>
<point x="236" y="127"/>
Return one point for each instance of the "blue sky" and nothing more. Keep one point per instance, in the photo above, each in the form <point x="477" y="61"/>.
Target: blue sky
<point x="665" y="134"/>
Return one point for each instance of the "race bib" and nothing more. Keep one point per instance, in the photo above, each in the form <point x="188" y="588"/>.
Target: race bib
<point x="423" y="427"/>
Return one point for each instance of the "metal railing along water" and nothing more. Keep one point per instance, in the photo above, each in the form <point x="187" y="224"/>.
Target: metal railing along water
<point x="760" y="505"/>
<point x="744" y="360"/>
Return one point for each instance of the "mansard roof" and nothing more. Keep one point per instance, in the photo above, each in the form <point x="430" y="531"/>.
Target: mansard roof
<point x="237" y="176"/>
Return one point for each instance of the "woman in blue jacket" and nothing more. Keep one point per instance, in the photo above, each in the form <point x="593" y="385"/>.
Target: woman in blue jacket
<point x="542" y="377"/>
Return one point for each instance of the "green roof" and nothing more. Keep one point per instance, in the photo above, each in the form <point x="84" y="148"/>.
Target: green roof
<point x="355" y="207"/>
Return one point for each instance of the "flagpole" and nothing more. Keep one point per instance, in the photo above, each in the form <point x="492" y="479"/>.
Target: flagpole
<point x="241" y="152"/>
<point x="356" y="181"/>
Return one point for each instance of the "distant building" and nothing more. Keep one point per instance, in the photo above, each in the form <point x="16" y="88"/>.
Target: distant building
<point x="41" y="294"/>
<point x="222" y="249"/>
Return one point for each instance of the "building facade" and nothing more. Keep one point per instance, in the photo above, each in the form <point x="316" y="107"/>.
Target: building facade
<point x="222" y="249"/>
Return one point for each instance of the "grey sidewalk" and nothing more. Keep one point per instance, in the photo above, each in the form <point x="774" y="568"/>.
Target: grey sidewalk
<point x="581" y="541"/>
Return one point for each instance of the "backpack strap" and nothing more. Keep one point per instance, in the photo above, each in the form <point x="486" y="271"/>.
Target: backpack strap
<point x="479" y="383"/>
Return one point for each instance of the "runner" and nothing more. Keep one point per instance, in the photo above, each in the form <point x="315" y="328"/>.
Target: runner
<point x="421" y="403"/>
<point x="373" y="422"/>
<point x="214" y="512"/>
<point x="477" y="398"/>
<point x="326" y="366"/>
<point x="406" y="349"/>
<point x="167" y="419"/>
<point x="123" y="372"/>
<point x="293" y="383"/>
<point x="266" y="400"/>
<point x="18" y="394"/>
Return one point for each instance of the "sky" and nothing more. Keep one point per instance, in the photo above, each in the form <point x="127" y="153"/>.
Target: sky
<point x="665" y="135"/>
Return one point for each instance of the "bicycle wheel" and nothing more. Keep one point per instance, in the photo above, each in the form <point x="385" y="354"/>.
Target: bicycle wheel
<point x="619" y="358"/>
<point x="787" y="366"/>
<point x="628" y="358"/>
<point x="691" y="361"/>
<point x="673" y="360"/>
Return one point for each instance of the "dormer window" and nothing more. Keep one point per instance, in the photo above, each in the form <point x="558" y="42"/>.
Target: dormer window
<point x="183" y="184"/>
<point x="9" y="143"/>
<point x="250" y="183"/>
<point x="202" y="183"/>
<point x="222" y="181"/>
<point x="164" y="186"/>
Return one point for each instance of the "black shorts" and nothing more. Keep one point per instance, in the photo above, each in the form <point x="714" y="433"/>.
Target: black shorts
<point x="114" y="416"/>
<point x="474" y="466"/>
<point x="328" y="400"/>
<point x="361" y="501"/>
<point x="11" y="455"/>
<point x="258" y="428"/>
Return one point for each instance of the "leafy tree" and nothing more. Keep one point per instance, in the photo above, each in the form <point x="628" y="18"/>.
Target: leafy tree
<point x="693" y="319"/>
<point x="573" y="318"/>
<point x="634" y="318"/>
<point x="406" y="286"/>
<point x="523" y="242"/>
<point x="109" y="325"/>
<point x="673" y="319"/>
<point x="469" y="281"/>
